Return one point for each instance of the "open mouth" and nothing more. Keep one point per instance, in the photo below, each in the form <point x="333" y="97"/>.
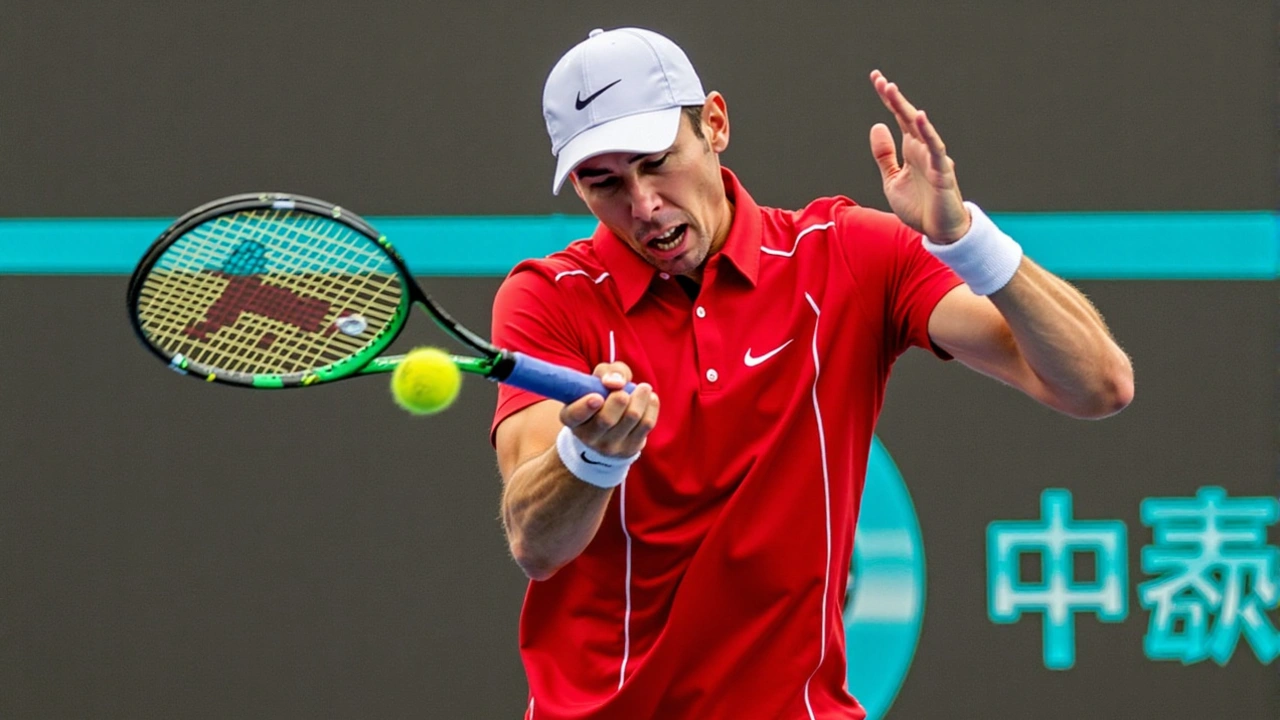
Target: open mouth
<point x="670" y="240"/>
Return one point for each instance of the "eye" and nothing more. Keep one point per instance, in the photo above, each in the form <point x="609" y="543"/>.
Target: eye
<point x="655" y="164"/>
<point x="608" y="183"/>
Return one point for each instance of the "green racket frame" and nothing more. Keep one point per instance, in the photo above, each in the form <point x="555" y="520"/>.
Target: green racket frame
<point x="367" y="360"/>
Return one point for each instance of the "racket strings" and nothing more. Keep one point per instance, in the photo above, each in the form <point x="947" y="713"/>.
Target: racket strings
<point x="270" y="292"/>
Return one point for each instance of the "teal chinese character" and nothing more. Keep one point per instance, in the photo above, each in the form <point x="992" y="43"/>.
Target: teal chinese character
<point x="1057" y="538"/>
<point x="1217" y="577"/>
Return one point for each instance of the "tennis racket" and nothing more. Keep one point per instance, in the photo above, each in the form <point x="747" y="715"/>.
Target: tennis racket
<point x="279" y="291"/>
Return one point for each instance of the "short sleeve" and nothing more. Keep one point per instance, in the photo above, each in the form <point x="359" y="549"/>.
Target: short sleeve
<point x="894" y="271"/>
<point x="528" y="317"/>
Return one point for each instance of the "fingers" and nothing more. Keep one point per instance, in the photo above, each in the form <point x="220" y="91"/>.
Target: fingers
<point x="912" y="121"/>
<point x="895" y="101"/>
<point x="884" y="150"/>
<point x="614" y="375"/>
<point x="933" y="141"/>
<point x="635" y="420"/>
<point x="580" y="411"/>
<point x="616" y="425"/>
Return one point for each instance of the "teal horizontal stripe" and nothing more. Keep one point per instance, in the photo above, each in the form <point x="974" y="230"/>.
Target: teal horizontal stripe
<point x="1156" y="246"/>
<point x="1119" y="246"/>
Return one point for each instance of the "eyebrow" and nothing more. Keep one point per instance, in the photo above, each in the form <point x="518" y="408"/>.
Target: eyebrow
<point x="585" y="173"/>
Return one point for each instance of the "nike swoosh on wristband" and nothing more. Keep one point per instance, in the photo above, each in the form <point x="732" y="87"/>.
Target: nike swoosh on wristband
<point x="754" y="361"/>
<point x="579" y="103"/>
<point x="589" y="461"/>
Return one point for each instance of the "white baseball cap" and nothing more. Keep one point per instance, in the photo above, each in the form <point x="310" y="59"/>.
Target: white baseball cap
<point x="616" y="91"/>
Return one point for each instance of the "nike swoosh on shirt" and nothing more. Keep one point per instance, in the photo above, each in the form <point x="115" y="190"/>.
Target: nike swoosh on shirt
<point x="580" y="103"/>
<point x="754" y="361"/>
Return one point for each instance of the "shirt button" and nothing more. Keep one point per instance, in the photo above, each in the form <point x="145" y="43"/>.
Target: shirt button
<point x="664" y="276"/>
<point x="700" y="312"/>
<point x="712" y="375"/>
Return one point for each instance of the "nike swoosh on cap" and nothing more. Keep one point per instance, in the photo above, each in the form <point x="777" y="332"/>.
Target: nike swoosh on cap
<point x="579" y="103"/>
<point x="754" y="361"/>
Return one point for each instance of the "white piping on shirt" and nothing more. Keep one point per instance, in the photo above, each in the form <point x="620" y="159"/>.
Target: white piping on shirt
<point x="826" y="492"/>
<point x="583" y="273"/>
<point x="622" y="517"/>
<point x="792" y="251"/>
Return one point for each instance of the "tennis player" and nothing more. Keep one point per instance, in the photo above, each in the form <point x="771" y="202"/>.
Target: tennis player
<point x="688" y="542"/>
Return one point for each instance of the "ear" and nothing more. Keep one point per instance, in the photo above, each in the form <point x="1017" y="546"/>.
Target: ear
<point x="715" y="122"/>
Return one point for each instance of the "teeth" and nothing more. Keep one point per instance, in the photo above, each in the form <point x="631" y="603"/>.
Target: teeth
<point x="670" y="239"/>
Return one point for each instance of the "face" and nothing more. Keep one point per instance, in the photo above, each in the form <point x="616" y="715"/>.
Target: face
<point x="668" y="206"/>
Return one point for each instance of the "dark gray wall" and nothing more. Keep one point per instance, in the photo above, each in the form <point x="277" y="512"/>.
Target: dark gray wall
<point x="172" y="549"/>
<point x="132" y="108"/>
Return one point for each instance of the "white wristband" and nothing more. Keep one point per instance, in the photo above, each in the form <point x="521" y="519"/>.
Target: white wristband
<point x="590" y="466"/>
<point x="985" y="258"/>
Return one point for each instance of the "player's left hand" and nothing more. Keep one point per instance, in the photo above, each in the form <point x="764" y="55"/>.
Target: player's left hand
<point x="922" y="191"/>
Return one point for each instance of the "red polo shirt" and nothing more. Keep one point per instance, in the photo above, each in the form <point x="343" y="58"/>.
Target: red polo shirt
<point x="714" y="587"/>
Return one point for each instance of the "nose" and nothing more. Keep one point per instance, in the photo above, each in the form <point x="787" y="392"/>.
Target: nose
<point x="645" y="201"/>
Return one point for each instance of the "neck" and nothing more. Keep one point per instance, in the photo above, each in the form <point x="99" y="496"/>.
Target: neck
<point x="718" y="241"/>
<point x="726" y="222"/>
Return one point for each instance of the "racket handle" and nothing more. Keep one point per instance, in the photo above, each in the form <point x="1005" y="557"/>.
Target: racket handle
<point x="554" y="381"/>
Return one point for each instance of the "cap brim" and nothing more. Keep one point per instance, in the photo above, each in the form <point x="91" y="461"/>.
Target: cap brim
<point x="647" y="132"/>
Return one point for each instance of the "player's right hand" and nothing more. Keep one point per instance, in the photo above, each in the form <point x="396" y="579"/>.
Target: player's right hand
<point x="617" y="425"/>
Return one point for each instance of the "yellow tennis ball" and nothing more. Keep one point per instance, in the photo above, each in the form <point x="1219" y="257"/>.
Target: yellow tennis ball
<point x="426" y="381"/>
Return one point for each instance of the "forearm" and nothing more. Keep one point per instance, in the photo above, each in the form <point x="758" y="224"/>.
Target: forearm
<point x="1065" y="342"/>
<point x="550" y="516"/>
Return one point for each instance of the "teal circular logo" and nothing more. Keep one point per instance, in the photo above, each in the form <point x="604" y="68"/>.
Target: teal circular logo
<point x="884" y="604"/>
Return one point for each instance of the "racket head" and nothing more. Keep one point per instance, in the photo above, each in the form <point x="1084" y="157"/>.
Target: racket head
<point x="270" y="290"/>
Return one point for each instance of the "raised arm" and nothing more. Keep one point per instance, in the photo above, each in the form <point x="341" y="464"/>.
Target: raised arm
<point x="1041" y="336"/>
<point x="1013" y="320"/>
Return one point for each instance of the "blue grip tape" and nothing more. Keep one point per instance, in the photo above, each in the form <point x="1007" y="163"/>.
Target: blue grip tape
<point x="555" y="382"/>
